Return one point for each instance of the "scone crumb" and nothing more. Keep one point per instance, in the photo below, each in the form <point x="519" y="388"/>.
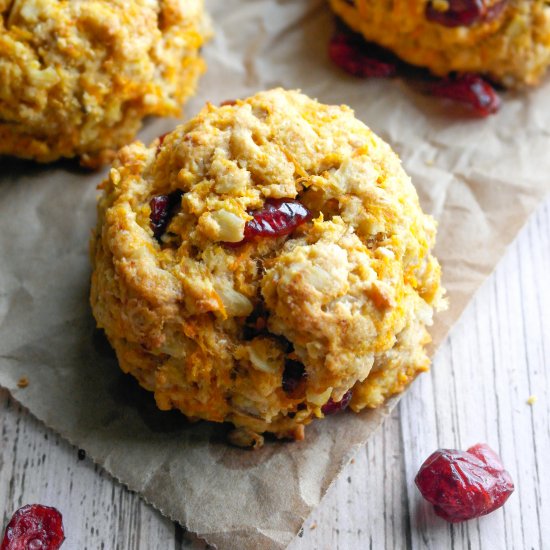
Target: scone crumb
<point x="531" y="400"/>
<point x="23" y="382"/>
<point x="245" y="438"/>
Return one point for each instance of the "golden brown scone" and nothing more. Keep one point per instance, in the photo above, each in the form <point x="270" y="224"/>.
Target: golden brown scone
<point x="78" y="77"/>
<point x="508" y="40"/>
<point x="267" y="332"/>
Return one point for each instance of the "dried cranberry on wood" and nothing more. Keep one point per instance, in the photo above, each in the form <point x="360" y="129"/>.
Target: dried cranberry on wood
<point x="464" y="13"/>
<point x="352" y="54"/>
<point x="34" y="527"/>
<point x="162" y="210"/>
<point x="331" y="407"/>
<point x="469" y="89"/>
<point x="464" y="485"/>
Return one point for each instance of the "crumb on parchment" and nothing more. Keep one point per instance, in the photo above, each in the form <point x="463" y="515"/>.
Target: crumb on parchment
<point x="23" y="382"/>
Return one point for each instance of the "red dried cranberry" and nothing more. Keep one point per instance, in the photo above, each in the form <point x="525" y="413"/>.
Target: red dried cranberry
<point x="162" y="210"/>
<point x="278" y="217"/>
<point x="352" y="54"/>
<point x="469" y="89"/>
<point x="331" y="407"/>
<point x="464" y="13"/>
<point x="464" y="485"/>
<point x="34" y="527"/>
<point x="293" y="376"/>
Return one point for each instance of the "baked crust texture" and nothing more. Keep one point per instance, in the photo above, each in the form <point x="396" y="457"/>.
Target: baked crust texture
<point x="210" y="327"/>
<point x="513" y="47"/>
<point x="78" y="77"/>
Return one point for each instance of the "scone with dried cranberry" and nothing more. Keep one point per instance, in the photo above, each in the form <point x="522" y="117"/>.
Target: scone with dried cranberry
<point x="265" y="264"/>
<point x="509" y="40"/>
<point x="78" y="77"/>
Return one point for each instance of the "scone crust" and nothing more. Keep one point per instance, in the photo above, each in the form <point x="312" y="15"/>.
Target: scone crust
<point x="348" y="294"/>
<point x="77" y="78"/>
<point x="513" y="48"/>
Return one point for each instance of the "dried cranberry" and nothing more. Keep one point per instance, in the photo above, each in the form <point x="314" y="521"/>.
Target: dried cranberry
<point x="162" y="210"/>
<point x="34" y="527"/>
<point x="464" y="13"/>
<point x="331" y="407"/>
<point x="469" y="89"/>
<point x="293" y="375"/>
<point x="278" y="217"/>
<point x="464" y="485"/>
<point x="355" y="56"/>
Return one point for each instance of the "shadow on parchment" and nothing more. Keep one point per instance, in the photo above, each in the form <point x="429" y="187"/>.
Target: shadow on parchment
<point x="414" y="82"/>
<point x="12" y="168"/>
<point x="126" y="391"/>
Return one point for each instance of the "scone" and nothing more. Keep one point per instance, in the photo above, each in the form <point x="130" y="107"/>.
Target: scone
<point x="77" y="78"/>
<point x="265" y="264"/>
<point x="509" y="40"/>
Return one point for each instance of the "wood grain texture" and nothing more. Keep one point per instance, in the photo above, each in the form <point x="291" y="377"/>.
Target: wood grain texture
<point x="497" y="356"/>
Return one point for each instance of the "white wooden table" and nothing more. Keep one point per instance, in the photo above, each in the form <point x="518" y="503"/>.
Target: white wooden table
<point x="496" y="358"/>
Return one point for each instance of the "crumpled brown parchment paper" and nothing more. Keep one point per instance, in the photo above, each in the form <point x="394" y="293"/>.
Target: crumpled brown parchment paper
<point x="480" y="178"/>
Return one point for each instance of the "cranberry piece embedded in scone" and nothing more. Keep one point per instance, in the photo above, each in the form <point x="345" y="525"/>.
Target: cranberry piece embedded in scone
<point x="463" y="13"/>
<point x="464" y="485"/>
<point x="469" y="89"/>
<point x="331" y="407"/>
<point x="351" y="54"/>
<point x="277" y="218"/>
<point x="34" y="527"/>
<point x="162" y="210"/>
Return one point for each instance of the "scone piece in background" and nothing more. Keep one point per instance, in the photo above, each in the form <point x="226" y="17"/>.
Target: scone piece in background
<point x="266" y="263"/>
<point x="509" y="40"/>
<point x="77" y="78"/>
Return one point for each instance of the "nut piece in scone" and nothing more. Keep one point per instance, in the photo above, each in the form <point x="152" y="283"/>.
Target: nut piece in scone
<point x="77" y="78"/>
<point x="266" y="263"/>
<point x="509" y="40"/>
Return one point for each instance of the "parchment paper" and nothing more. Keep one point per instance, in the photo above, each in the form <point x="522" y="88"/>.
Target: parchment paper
<point x="481" y="179"/>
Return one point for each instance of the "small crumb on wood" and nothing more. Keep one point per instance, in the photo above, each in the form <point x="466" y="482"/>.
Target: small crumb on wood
<point x="532" y="400"/>
<point x="23" y="382"/>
